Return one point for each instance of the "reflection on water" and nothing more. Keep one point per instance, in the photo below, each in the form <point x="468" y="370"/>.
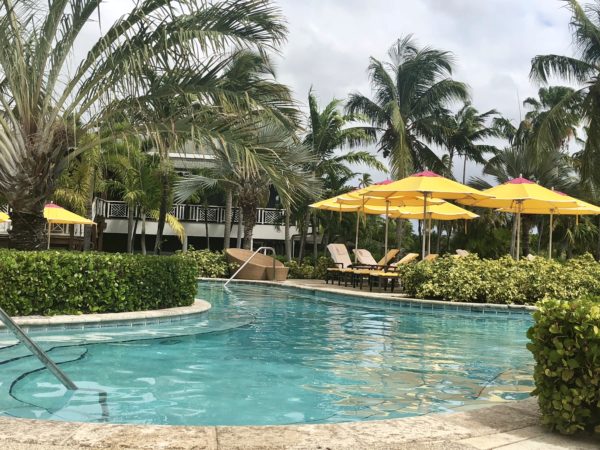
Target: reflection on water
<point x="265" y="355"/>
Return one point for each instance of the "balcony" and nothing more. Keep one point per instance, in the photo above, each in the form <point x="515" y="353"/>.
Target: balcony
<point x="191" y="213"/>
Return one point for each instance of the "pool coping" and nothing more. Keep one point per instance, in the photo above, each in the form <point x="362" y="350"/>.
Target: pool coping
<point x="105" y="320"/>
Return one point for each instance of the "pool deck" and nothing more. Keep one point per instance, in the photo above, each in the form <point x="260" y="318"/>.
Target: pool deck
<point x="511" y="426"/>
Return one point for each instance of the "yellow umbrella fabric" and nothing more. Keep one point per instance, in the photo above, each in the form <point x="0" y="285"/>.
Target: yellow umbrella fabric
<point x="3" y="217"/>
<point x="521" y="194"/>
<point x="427" y="185"/>
<point x="444" y="211"/>
<point x="57" y="214"/>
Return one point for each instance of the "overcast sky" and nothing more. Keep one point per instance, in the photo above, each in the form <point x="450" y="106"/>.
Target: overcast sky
<point x="330" y="42"/>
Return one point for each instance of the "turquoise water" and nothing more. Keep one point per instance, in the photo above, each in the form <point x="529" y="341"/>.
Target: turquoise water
<point x="269" y="355"/>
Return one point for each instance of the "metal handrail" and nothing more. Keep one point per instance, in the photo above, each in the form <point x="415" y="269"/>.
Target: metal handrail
<point x="264" y="249"/>
<point x="37" y="351"/>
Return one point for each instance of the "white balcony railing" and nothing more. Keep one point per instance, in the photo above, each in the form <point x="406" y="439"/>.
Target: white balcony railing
<point x="191" y="213"/>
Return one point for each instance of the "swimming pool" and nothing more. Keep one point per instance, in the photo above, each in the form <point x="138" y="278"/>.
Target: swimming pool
<point x="275" y="355"/>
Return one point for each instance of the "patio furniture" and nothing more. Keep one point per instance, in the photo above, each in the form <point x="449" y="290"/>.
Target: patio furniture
<point x="431" y="257"/>
<point x="461" y="253"/>
<point x="342" y="261"/>
<point x="261" y="267"/>
<point x="391" y="275"/>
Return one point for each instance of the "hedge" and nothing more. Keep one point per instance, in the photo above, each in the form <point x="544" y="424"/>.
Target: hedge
<point x="565" y="342"/>
<point x="60" y="282"/>
<point x="503" y="280"/>
<point x="208" y="264"/>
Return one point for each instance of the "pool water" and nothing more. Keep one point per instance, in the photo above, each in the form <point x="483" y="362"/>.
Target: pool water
<point x="274" y="355"/>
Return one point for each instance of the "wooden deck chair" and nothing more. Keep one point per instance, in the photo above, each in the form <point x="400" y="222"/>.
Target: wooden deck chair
<point x="462" y="253"/>
<point x="365" y="258"/>
<point x="391" y="254"/>
<point x="390" y="275"/>
<point x="406" y="259"/>
<point x="431" y="257"/>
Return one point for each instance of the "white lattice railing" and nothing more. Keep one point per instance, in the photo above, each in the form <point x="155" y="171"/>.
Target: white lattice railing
<point x="191" y="213"/>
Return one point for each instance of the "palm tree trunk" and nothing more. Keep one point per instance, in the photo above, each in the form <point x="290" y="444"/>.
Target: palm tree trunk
<point x="130" y="213"/>
<point x="303" y="236"/>
<point x="399" y="234"/>
<point x="206" y="227"/>
<point x="143" y="235"/>
<point x="464" y="175"/>
<point x="71" y="236"/>
<point x="288" y="242"/>
<point x="228" y="211"/>
<point x="513" y="236"/>
<point x="439" y="237"/>
<point x="249" y="212"/>
<point x="162" y="212"/>
<point x="525" y="235"/>
<point x="28" y="231"/>
<point x="239" y="228"/>
<point x="135" y="225"/>
<point x="87" y="229"/>
<point x="314" y="238"/>
<point x="540" y="233"/>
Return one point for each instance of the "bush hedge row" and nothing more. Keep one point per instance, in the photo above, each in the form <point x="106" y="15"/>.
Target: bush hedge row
<point x="503" y="280"/>
<point x="59" y="282"/>
<point x="565" y="342"/>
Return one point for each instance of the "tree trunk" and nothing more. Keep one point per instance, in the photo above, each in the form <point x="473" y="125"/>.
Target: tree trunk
<point x="288" y="242"/>
<point x="399" y="234"/>
<point x="239" y="228"/>
<point x="28" y="231"/>
<point x="143" y="235"/>
<point x="464" y="176"/>
<point x="87" y="229"/>
<point x="314" y="238"/>
<point x="525" y="236"/>
<point x="540" y="233"/>
<point x="130" y="214"/>
<point x="228" y="211"/>
<point x="249" y="212"/>
<point x="206" y="227"/>
<point x="513" y="236"/>
<point x="439" y="237"/>
<point x="135" y="225"/>
<point x="303" y="235"/>
<point x="448" y="234"/>
<point x="162" y="212"/>
<point x="71" y="237"/>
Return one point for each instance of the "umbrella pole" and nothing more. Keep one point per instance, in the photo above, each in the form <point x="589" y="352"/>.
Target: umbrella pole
<point x="387" y="219"/>
<point x="356" y="238"/>
<point x="518" y="249"/>
<point x="423" y="235"/>
<point x="550" y="237"/>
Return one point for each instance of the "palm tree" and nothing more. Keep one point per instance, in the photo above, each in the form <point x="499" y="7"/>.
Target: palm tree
<point x="466" y="129"/>
<point x="411" y="93"/>
<point x="365" y="180"/>
<point x="329" y="135"/>
<point x="583" y="69"/>
<point x="42" y="98"/>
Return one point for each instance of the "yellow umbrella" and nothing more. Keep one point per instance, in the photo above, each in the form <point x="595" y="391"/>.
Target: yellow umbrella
<point x="356" y="201"/>
<point x="583" y="208"/>
<point x="57" y="214"/>
<point x="3" y="217"/>
<point x="518" y="195"/>
<point x="427" y="185"/>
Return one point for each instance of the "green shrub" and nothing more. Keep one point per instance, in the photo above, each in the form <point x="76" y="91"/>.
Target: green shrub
<point x="51" y="282"/>
<point x="503" y="280"/>
<point x="565" y="342"/>
<point x="208" y="264"/>
<point x="307" y="270"/>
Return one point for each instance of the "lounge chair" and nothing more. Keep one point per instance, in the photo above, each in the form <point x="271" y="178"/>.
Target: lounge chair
<point x="386" y="276"/>
<point x="431" y="257"/>
<point x="365" y="258"/>
<point x="341" y="259"/>
<point x="462" y="253"/>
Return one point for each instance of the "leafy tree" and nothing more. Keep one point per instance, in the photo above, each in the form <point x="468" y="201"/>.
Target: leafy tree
<point x="41" y="96"/>
<point x="411" y="94"/>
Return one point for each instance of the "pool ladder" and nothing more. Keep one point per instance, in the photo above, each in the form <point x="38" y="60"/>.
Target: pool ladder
<point x="37" y="351"/>
<point x="264" y="250"/>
